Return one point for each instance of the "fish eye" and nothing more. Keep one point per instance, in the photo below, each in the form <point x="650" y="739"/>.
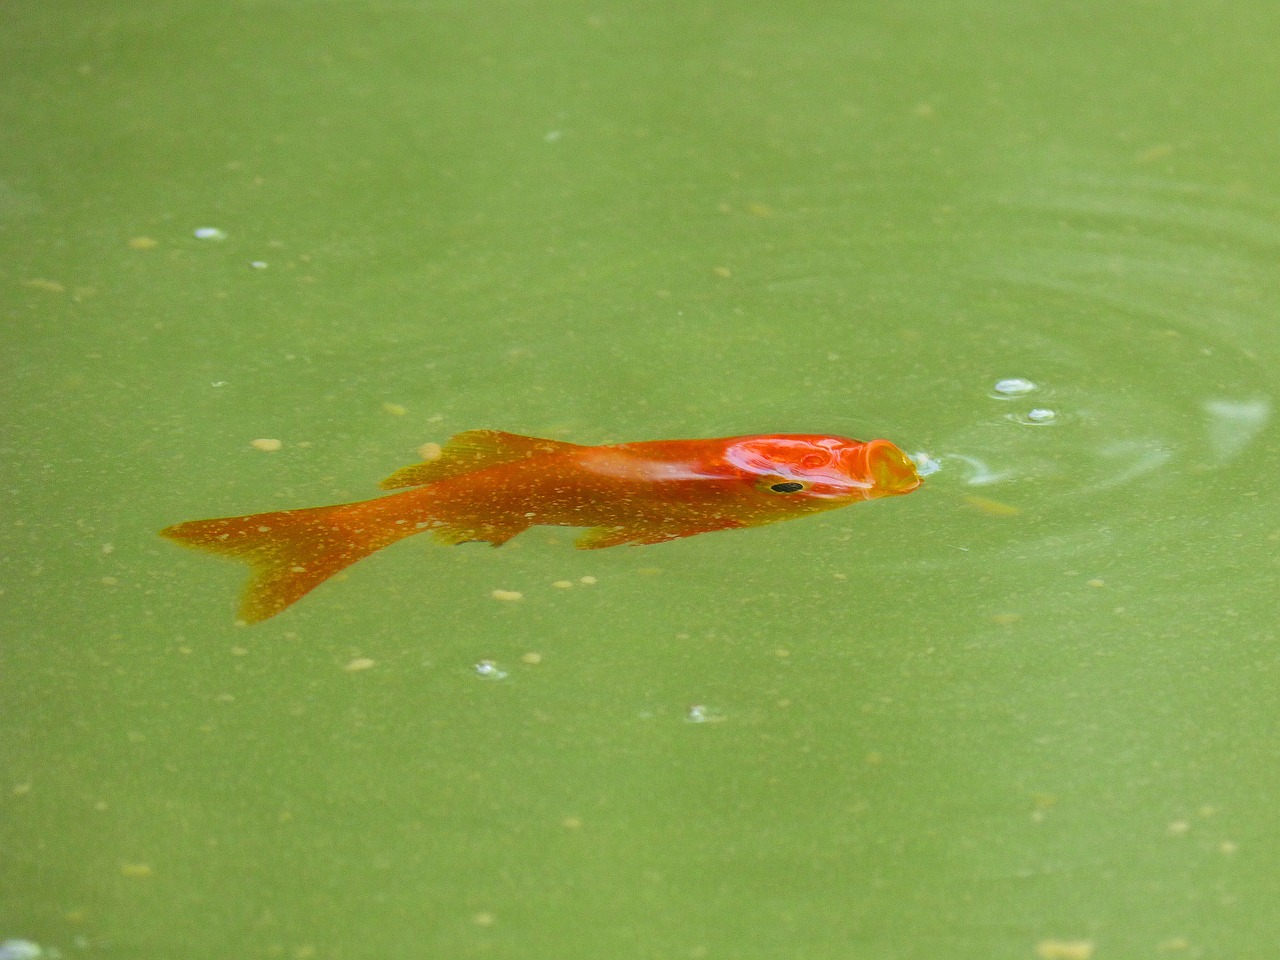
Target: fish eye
<point x="789" y="487"/>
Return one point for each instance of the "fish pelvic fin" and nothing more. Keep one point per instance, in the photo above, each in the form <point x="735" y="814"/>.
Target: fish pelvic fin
<point x="471" y="451"/>
<point x="291" y="552"/>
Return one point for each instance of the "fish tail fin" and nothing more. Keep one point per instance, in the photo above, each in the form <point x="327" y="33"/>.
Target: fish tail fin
<point x="290" y="552"/>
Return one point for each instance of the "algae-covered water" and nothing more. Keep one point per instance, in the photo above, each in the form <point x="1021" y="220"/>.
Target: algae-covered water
<point x="1028" y="711"/>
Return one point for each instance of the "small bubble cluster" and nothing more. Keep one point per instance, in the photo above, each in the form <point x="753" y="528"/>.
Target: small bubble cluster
<point x="1011" y="388"/>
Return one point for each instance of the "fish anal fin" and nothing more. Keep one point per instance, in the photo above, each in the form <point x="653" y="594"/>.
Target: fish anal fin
<point x="470" y="451"/>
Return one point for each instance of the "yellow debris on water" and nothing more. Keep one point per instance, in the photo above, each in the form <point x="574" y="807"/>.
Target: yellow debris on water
<point x="49" y="286"/>
<point x="509" y="595"/>
<point x="993" y="508"/>
<point x="562" y="584"/>
<point x="136" y="870"/>
<point x="532" y="658"/>
<point x="430" y="451"/>
<point x="1064" y="949"/>
<point x="395" y="409"/>
<point x="724" y="273"/>
<point x="143" y="243"/>
<point x="266" y="444"/>
<point x="1157" y="152"/>
<point x="588" y="580"/>
<point x="358" y="664"/>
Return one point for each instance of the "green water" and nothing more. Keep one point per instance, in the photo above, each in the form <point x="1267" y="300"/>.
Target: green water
<point x="1026" y="712"/>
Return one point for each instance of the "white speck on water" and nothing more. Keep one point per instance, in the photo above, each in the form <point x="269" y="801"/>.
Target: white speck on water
<point x="218" y="383"/>
<point x="210" y="233"/>
<point x="20" y="950"/>
<point x="551" y="136"/>
<point x="258" y="264"/>
<point x="490" y="670"/>
<point x="701" y="713"/>
<point x="1013" y="387"/>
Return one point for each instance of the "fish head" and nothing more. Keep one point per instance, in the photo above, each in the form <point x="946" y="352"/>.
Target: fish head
<point x="813" y="469"/>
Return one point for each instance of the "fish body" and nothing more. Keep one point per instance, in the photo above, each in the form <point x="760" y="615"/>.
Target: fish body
<point x="491" y="486"/>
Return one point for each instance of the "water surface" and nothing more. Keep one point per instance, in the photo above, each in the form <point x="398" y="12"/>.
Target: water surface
<point x="1025" y="712"/>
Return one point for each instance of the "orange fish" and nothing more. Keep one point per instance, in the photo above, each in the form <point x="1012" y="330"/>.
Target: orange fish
<point x="487" y="485"/>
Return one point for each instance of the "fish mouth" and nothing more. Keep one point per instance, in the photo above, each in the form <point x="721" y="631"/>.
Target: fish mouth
<point x="890" y="471"/>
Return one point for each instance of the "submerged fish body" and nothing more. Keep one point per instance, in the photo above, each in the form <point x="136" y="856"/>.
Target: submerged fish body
<point x="491" y="486"/>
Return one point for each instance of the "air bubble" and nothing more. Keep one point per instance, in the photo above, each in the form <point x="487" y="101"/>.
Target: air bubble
<point x="1012" y="387"/>
<point x="1036" y="417"/>
<point x="925" y="464"/>
<point x="210" y="233"/>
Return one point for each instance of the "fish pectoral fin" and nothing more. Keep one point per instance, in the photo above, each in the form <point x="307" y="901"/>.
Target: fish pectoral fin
<point x="451" y="534"/>
<point x="470" y="451"/>
<point x="597" y="538"/>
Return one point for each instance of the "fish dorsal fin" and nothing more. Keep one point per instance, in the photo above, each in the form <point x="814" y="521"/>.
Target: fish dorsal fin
<point x="471" y="451"/>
